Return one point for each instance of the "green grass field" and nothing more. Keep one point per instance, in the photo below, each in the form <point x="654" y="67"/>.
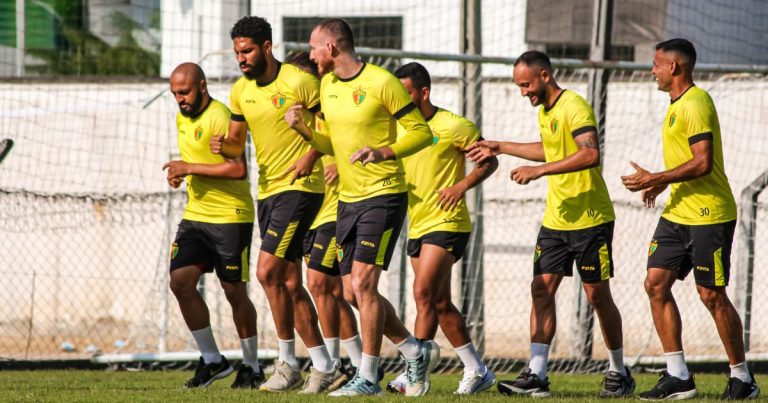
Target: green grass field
<point x="159" y="386"/>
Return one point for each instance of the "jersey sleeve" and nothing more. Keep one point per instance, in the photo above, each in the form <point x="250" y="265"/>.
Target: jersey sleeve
<point x="581" y="117"/>
<point x="308" y="91"/>
<point x="397" y="101"/>
<point x="698" y="120"/>
<point x="234" y="101"/>
<point x="464" y="133"/>
<point x="220" y="121"/>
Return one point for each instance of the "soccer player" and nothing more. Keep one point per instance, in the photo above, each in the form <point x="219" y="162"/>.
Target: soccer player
<point x="695" y="231"/>
<point x="337" y="320"/>
<point x="439" y="226"/>
<point x="286" y="206"/>
<point x="577" y="225"/>
<point x="361" y="103"/>
<point x="215" y="231"/>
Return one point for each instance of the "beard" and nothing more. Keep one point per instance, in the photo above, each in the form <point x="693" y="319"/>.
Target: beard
<point x="540" y="97"/>
<point x="257" y="69"/>
<point x="194" y="108"/>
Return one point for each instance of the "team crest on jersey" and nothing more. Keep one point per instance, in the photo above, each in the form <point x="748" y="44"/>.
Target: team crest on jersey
<point x="174" y="250"/>
<point x="358" y="96"/>
<point x="652" y="247"/>
<point x="672" y="119"/>
<point x="198" y="133"/>
<point x="339" y="253"/>
<point x="435" y="138"/>
<point x="278" y="100"/>
<point x="537" y="253"/>
<point x="553" y="125"/>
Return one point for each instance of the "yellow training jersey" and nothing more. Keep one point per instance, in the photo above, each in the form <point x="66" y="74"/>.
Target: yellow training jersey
<point x="437" y="167"/>
<point x="708" y="199"/>
<point x="363" y="111"/>
<point x="330" y="205"/>
<point x="575" y="200"/>
<point x="211" y="200"/>
<point x="277" y="146"/>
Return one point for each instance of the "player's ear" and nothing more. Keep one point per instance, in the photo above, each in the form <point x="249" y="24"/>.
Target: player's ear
<point x="424" y="94"/>
<point x="203" y="86"/>
<point x="267" y="46"/>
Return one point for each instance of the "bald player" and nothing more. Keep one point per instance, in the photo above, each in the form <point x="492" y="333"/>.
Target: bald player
<point x="215" y="231"/>
<point x="695" y="231"/>
<point x="361" y="104"/>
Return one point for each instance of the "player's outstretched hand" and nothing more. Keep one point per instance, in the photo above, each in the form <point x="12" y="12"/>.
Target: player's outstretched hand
<point x="480" y="151"/>
<point x="450" y="197"/>
<point x="216" y="144"/>
<point x="331" y="174"/>
<point x="366" y="155"/>
<point x="639" y="180"/>
<point x="524" y="174"/>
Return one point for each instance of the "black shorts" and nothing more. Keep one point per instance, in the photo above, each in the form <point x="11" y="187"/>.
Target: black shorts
<point x="705" y="249"/>
<point x="590" y="248"/>
<point x="225" y="247"/>
<point x="284" y="219"/>
<point x="320" y="249"/>
<point x="367" y="231"/>
<point x="453" y="242"/>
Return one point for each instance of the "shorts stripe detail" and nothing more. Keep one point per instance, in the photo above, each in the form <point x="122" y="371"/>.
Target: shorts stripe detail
<point x="719" y="272"/>
<point x="605" y="263"/>
<point x="244" y="270"/>
<point x="285" y="241"/>
<point x="330" y="253"/>
<point x="383" y="247"/>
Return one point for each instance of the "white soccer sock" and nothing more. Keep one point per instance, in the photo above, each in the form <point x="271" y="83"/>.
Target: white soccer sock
<point x="616" y="361"/>
<point x="676" y="365"/>
<point x="471" y="360"/>
<point x="320" y="358"/>
<point x="286" y="352"/>
<point x="369" y="367"/>
<point x="354" y="347"/>
<point x="539" y="359"/>
<point x="207" y="345"/>
<point x="333" y="344"/>
<point x="740" y="371"/>
<point x="410" y="348"/>
<point x="250" y="348"/>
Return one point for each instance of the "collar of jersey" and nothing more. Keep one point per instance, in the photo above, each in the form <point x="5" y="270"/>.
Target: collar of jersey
<point x="437" y="110"/>
<point x="277" y="73"/>
<point x="554" y="103"/>
<point x="355" y="76"/>
<point x="210" y="101"/>
<point x="672" y="101"/>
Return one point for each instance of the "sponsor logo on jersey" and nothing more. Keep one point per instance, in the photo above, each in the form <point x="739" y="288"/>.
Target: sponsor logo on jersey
<point x="272" y="232"/>
<point x="198" y="133"/>
<point x="702" y="268"/>
<point x="672" y="119"/>
<point x="652" y="247"/>
<point x="358" y="96"/>
<point x="368" y="244"/>
<point x="278" y="100"/>
<point x="318" y="246"/>
<point x="588" y="268"/>
<point x="174" y="250"/>
<point x="232" y="268"/>
<point x="553" y="125"/>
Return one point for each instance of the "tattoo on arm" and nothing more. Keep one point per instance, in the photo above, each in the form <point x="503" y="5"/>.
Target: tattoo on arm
<point x="588" y="140"/>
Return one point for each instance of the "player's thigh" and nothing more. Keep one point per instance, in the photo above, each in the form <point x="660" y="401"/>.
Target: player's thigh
<point x="668" y="249"/>
<point x="191" y="247"/>
<point x="320" y="251"/>
<point x="594" y="252"/>
<point x="284" y="219"/>
<point x="378" y="228"/>
<point x="552" y="254"/>
<point x="711" y="250"/>
<point x="232" y="245"/>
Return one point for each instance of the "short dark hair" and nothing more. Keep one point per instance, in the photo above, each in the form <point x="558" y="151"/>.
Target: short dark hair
<point x="417" y="73"/>
<point x="679" y="45"/>
<point x="534" y="58"/>
<point x="341" y="31"/>
<point x="301" y="59"/>
<point x="256" y="28"/>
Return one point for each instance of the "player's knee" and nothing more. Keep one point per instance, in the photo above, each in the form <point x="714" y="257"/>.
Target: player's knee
<point x="654" y="289"/>
<point x="713" y="299"/>
<point x="423" y="294"/>
<point x="181" y="287"/>
<point x="598" y="297"/>
<point x="540" y="294"/>
<point x="349" y="296"/>
<point x="267" y="276"/>
<point x="317" y="287"/>
<point x="444" y="305"/>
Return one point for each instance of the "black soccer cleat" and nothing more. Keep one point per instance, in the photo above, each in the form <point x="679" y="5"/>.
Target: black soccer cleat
<point x="618" y="385"/>
<point x="671" y="388"/>
<point x="740" y="390"/>
<point x="205" y="374"/>
<point x="527" y="383"/>
<point x="248" y="378"/>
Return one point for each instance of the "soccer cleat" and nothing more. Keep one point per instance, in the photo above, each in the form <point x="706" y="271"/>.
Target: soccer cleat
<point x="618" y="385"/>
<point x="527" y="383"/>
<point x="671" y="388"/>
<point x="417" y="370"/>
<point x="322" y="382"/>
<point x="398" y="384"/>
<point x="205" y="374"/>
<point x="248" y="378"/>
<point x="475" y="382"/>
<point x="358" y="386"/>
<point x="284" y="379"/>
<point x="740" y="390"/>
